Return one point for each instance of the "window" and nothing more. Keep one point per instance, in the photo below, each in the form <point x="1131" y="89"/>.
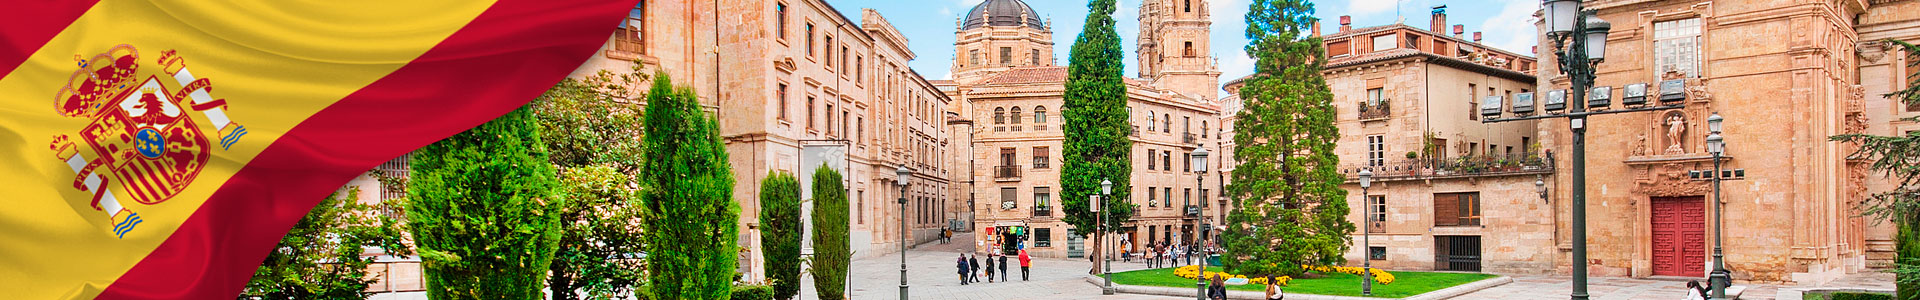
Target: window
<point x="1150" y="120"/>
<point x="1151" y="195"/>
<point x="843" y="58"/>
<point x="973" y="57"/>
<point x="1186" y="162"/>
<point x="782" y="94"/>
<point x="826" y="61"/>
<point x="809" y="40"/>
<point x="1150" y="161"/>
<point x="1203" y="129"/>
<point x="1413" y="41"/>
<point x="1676" y="47"/>
<point x="1377" y="253"/>
<point x="1376" y="150"/>
<point x="632" y="33"/>
<point x="1913" y="73"/>
<point x="860" y="130"/>
<point x="829" y="112"/>
<point x="1166" y="159"/>
<point x="1186" y="197"/>
<point x="1456" y="209"/>
<point x="1374" y="95"/>
<point x="1189" y="6"/>
<point x="1043" y="237"/>
<point x="1007" y="197"/>
<point x="862" y="209"/>
<point x="859" y="73"/>
<point x="1006" y="56"/>
<point x="1384" y="42"/>
<point x="1036" y="57"/>
<point x="1042" y="197"/>
<point x="843" y="122"/>
<point x="1016" y="115"/>
<point x="1042" y="158"/>
<point x="999" y="115"/>
<point x="1166" y="193"/>
<point x="809" y="112"/>
<point x="780" y="20"/>
<point x="1166" y="123"/>
<point x="1377" y="212"/>
<point x="1189" y="51"/>
<point x="1039" y="114"/>
<point x="1473" y="101"/>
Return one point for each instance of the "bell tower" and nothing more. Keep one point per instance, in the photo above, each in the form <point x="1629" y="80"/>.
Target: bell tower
<point x="1175" y="49"/>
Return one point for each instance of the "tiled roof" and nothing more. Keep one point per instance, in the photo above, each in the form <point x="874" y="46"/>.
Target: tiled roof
<point x="1370" y="57"/>
<point x="1025" y="75"/>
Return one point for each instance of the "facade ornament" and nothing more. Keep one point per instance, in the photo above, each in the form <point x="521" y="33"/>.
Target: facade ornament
<point x="1676" y="129"/>
<point x="1871" y="51"/>
<point x="1640" y="145"/>
<point x="1670" y="180"/>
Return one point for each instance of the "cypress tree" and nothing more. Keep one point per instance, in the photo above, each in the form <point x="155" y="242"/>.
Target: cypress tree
<point x="1096" y="144"/>
<point x="780" y="233"/>
<point x="690" y="214"/>
<point x="1291" y="210"/>
<point x="831" y="252"/>
<point x="483" y="213"/>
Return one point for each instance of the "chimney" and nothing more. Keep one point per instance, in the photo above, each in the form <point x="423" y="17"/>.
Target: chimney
<point x="1476" y="36"/>
<point x="1439" y="19"/>
<point x="1316" y="29"/>
<point x="1346" y="23"/>
<point x="1458" y="30"/>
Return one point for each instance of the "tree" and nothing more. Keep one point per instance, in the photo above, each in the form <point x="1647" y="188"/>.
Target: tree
<point x="1898" y="158"/>
<point x="831" y="252"/>
<point x="690" y="214"/>
<point x="780" y="232"/>
<point x="1291" y="210"/>
<point x="1097" y="146"/>
<point x="483" y="213"/>
<point x="320" y="257"/>
<point x="592" y="134"/>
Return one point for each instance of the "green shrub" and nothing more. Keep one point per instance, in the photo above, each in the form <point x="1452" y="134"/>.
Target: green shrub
<point x="753" y="292"/>
<point x="691" y="217"/>
<point x="780" y="233"/>
<point x="830" y="243"/>
<point x="1859" y="296"/>
<point x="483" y="212"/>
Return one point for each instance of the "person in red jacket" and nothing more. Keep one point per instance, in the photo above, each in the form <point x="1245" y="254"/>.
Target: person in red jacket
<point x="1026" y="263"/>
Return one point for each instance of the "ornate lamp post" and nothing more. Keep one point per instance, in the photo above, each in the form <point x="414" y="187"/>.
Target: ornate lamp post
<point x="1366" y="242"/>
<point x="1199" y="163"/>
<point x="1106" y="189"/>
<point x="1718" y="146"/>
<point x="902" y="175"/>
<point x="1580" y="42"/>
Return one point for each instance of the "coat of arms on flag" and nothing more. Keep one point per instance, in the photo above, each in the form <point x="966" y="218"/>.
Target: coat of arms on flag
<point x="140" y="136"/>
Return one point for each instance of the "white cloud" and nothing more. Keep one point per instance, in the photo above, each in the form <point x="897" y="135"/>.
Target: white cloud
<point x="1233" y="65"/>
<point x="1512" y="28"/>
<point x="1369" y="7"/>
<point x="945" y="12"/>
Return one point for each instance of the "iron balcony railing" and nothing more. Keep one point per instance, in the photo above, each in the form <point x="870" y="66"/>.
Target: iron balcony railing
<point x="1006" y="172"/>
<point x="1042" y="211"/>
<point x="1460" y="166"/>
<point x="1376" y="111"/>
<point x="1186" y="138"/>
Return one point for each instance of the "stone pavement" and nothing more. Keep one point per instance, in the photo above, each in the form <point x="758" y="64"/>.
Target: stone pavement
<point x="931" y="275"/>
<point x="1615" y="288"/>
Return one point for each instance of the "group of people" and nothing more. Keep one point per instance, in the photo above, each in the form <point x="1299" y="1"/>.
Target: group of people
<point x="946" y="235"/>
<point x="1158" y="255"/>
<point x="970" y="268"/>
<point x="1217" y="288"/>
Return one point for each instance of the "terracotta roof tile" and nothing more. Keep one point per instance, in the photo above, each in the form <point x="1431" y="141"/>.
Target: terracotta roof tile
<point x="1024" y="75"/>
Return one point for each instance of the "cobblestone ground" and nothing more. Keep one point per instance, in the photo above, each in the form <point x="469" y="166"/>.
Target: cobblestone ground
<point x="931" y="276"/>
<point x="1613" y="288"/>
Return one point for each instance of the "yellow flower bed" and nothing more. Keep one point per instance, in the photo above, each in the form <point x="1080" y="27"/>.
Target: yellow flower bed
<point x="1192" y="272"/>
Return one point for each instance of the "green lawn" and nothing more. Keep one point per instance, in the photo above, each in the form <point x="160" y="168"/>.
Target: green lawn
<point x="1405" y="284"/>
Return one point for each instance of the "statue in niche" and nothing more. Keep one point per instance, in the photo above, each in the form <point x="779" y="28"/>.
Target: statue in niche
<point x="1640" y="145"/>
<point x="1676" y="129"/>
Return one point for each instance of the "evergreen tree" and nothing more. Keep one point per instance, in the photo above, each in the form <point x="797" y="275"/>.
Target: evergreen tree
<point x="592" y="134"/>
<point x="780" y="232"/>
<point x="483" y="213"/>
<point x="1097" y="146"/>
<point x="320" y="257"/>
<point x="831" y="253"/>
<point x="691" y="219"/>
<point x="1898" y="158"/>
<point x="1291" y="210"/>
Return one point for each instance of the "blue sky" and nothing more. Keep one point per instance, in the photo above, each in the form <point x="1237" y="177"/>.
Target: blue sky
<point x="929" y="24"/>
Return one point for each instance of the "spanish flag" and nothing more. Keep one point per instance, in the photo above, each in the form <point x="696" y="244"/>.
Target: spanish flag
<point x="158" y="149"/>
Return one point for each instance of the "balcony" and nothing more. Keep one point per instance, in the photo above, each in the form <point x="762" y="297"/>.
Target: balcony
<point x="1374" y="112"/>
<point x="1186" y="138"/>
<point x="1042" y="211"/>
<point x="1006" y="173"/>
<point x="1455" y="167"/>
<point x="1134" y="131"/>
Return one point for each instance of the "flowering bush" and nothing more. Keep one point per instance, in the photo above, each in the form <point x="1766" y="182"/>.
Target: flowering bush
<point x="1193" y="272"/>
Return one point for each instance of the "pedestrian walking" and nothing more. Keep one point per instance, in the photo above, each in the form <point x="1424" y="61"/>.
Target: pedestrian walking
<point x="973" y="264"/>
<point x="1003" y="268"/>
<point x="989" y="267"/>
<point x="1695" y="291"/>
<point x="962" y="265"/>
<point x="1026" y="264"/>
<point x="1274" y="292"/>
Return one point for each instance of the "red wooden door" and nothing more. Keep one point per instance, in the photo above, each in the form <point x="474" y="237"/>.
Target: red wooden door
<point x="1679" y="236"/>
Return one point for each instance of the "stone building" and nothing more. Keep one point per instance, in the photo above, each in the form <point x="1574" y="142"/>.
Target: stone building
<point x="1013" y="108"/>
<point x="1786" y="76"/>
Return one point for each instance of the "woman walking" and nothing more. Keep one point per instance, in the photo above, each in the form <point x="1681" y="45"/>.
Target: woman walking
<point x="962" y="265"/>
<point x="989" y="267"/>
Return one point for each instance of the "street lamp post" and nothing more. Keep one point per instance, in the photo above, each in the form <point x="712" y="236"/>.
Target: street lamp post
<point x="1718" y="146"/>
<point x="1106" y="189"/>
<point x="902" y="175"/>
<point x="1366" y="241"/>
<point x="1200" y="177"/>
<point x="1580" y="43"/>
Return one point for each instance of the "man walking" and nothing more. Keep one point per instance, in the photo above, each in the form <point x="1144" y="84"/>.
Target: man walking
<point x="962" y="265"/>
<point x="1003" y="268"/>
<point x="1026" y="264"/>
<point x="973" y="264"/>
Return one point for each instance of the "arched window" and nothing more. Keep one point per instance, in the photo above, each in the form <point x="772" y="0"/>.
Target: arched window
<point x="1166" y="123"/>
<point x="1150" y="121"/>
<point x="999" y="115"/>
<point x="1203" y="129"/>
<point x="1189" y="49"/>
<point x="1016" y="115"/>
<point x="1039" y="114"/>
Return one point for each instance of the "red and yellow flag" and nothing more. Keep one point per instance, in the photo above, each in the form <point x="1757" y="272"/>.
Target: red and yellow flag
<point x="160" y="149"/>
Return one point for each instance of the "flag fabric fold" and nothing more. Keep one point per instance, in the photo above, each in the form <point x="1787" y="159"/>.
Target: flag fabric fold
<point x="160" y="149"/>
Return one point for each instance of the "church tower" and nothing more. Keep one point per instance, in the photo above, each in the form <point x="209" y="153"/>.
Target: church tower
<point x="997" y="35"/>
<point x="1174" y="47"/>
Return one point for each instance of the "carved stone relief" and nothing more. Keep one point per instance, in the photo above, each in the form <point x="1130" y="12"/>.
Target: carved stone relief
<point x="1674" y="125"/>
<point x="1670" y="180"/>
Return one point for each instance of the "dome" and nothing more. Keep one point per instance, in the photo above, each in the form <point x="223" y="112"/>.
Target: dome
<point x="1003" y="13"/>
